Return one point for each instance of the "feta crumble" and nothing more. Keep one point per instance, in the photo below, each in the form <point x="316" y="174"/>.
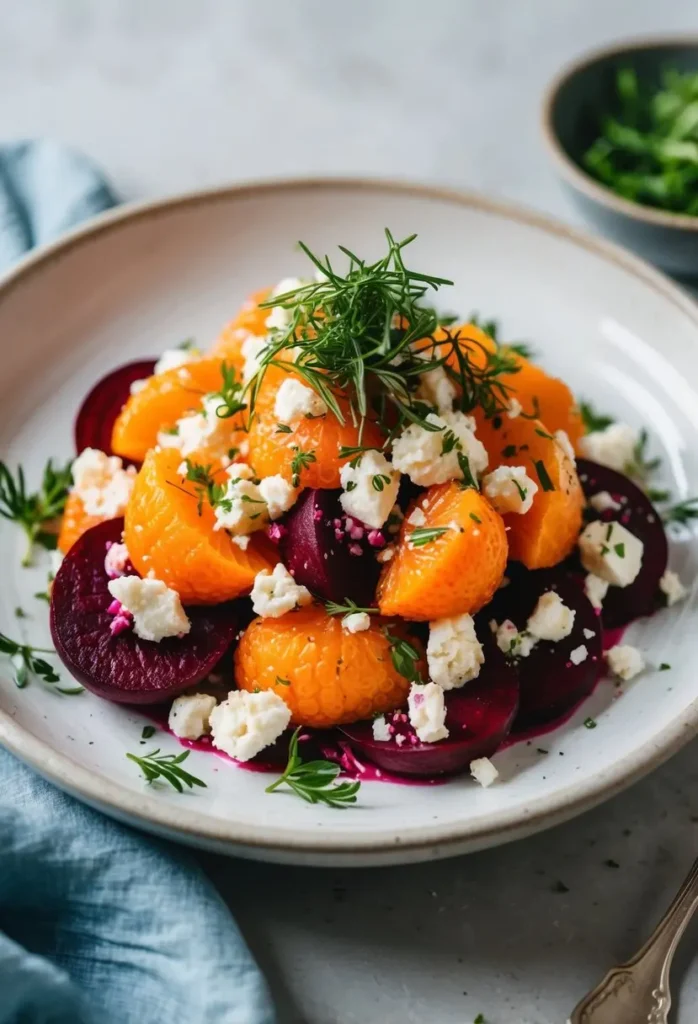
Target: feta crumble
<point x="454" y="653"/>
<point x="427" y="712"/>
<point x="189" y="715"/>
<point x="116" y="561"/>
<point x="173" y="358"/>
<point x="246" y="723"/>
<point x="252" y="350"/>
<point x="203" y="429"/>
<point x="239" y="471"/>
<point x="613" y="447"/>
<point x="370" y="488"/>
<point x="280" y="318"/>
<point x="589" y="634"/>
<point x="102" y="483"/>
<point x="595" y="589"/>
<point x="416" y="517"/>
<point x="672" y="587"/>
<point x="278" y="494"/>
<point x="625" y="661"/>
<point x="435" y="387"/>
<point x="242" y="509"/>
<point x="381" y="733"/>
<point x="483" y="771"/>
<point x="562" y="438"/>
<point x="276" y="593"/>
<point x="514" y="409"/>
<point x="603" y="501"/>
<point x="610" y="551"/>
<point x="156" y="609"/>
<point x="357" y="622"/>
<point x="551" y="618"/>
<point x="510" y="641"/>
<point x="579" y="654"/>
<point x="420" y="453"/>
<point x="510" y="489"/>
<point x="295" y="400"/>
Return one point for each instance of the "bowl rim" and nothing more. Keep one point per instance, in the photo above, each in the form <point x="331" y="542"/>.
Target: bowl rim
<point x="576" y="175"/>
<point x="262" y="841"/>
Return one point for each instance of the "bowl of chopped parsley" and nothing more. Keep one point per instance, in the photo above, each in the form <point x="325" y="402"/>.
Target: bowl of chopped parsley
<point x="622" y="128"/>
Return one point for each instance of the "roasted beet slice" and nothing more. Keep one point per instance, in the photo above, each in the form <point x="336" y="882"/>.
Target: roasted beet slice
<point x="479" y="716"/>
<point x="322" y="556"/>
<point x="125" y="668"/>
<point x="637" y="513"/>
<point x="550" y="679"/>
<point x="98" y="412"/>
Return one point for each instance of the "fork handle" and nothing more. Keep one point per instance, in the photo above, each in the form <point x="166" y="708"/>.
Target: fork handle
<point x="658" y="952"/>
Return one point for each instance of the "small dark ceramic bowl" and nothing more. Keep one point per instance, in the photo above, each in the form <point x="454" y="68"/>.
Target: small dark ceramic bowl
<point x="571" y="110"/>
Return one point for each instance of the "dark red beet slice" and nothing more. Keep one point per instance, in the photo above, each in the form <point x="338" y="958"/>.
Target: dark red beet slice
<point x="98" y="412"/>
<point x="479" y="716"/>
<point x="319" y="554"/>
<point x="125" y="668"/>
<point x="551" y="684"/>
<point x="623" y="604"/>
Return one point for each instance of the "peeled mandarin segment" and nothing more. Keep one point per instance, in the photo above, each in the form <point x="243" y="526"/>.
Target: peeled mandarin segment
<point x="548" y="532"/>
<point x="249" y="320"/>
<point x="455" y="573"/>
<point x="272" y="451"/>
<point x="325" y="674"/>
<point x="164" y="533"/>
<point x="163" y="400"/>
<point x="556" y="404"/>
<point x="75" y="522"/>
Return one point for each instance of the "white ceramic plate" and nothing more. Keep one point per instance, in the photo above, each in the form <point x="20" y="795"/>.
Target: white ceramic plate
<point x="142" y="278"/>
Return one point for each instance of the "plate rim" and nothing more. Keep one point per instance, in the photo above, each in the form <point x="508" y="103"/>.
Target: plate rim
<point x="191" y="825"/>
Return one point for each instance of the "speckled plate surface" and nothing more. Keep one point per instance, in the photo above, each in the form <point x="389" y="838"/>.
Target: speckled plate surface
<point x="137" y="280"/>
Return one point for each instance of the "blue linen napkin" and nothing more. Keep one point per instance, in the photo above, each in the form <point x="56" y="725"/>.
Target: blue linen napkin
<point x="98" y="923"/>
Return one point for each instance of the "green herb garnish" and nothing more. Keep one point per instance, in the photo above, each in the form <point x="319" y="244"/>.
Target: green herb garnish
<point x="545" y="481"/>
<point x="348" y="608"/>
<point x="589" y="723"/>
<point x="640" y="467"/>
<point x="230" y="394"/>
<point x="25" y="663"/>
<point x="314" y="781"/>
<point x="405" y="657"/>
<point x="33" y="512"/>
<point x="425" y="535"/>
<point x="664" y="667"/>
<point x="148" y="731"/>
<point x="279" y="681"/>
<point x="593" y="421"/>
<point x="167" y="767"/>
<point x="204" y="484"/>
<point x="683" y="512"/>
<point x="301" y="460"/>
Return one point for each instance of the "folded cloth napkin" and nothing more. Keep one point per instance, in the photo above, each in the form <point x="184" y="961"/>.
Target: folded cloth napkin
<point x="98" y="923"/>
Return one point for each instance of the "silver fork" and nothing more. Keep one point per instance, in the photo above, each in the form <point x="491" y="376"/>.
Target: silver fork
<point x="637" y="992"/>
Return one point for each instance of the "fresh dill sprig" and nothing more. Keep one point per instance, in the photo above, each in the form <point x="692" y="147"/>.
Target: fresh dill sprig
<point x="206" y="487"/>
<point x="682" y="512"/>
<point x="353" y="333"/>
<point x="33" y="512"/>
<point x="25" y="663"/>
<point x="491" y="328"/>
<point x="314" y="781"/>
<point x="300" y="461"/>
<point x="230" y="394"/>
<point x="348" y="608"/>
<point x="167" y="767"/>
<point x="592" y="419"/>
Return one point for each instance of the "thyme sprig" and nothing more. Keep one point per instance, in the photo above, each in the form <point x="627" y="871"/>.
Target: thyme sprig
<point x="348" y="608"/>
<point x="25" y="664"/>
<point x="205" y="484"/>
<point x="423" y="535"/>
<point x="682" y="512"/>
<point x="34" y="512"/>
<point x="314" y="781"/>
<point x="167" y="767"/>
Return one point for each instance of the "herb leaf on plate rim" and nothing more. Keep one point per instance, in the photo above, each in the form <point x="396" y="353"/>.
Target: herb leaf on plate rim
<point x="314" y="781"/>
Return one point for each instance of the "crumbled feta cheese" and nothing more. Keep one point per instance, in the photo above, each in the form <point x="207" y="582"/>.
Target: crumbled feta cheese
<point x="483" y="771"/>
<point x="551" y="618"/>
<point x="436" y="388"/>
<point x="579" y="654"/>
<point x="610" y="551"/>
<point x="672" y="587"/>
<point x="370" y="488"/>
<point x="102" y="483"/>
<point x="116" y="561"/>
<point x="613" y="447"/>
<point x="172" y="358"/>
<point x="275" y="593"/>
<point x="357" y="622"/>
<point x="246" y="723"/>
<point x="204" y="429"/>
<point x="279" y="318"/>
<point x="386" y="554"/>
<point x="510" y="641"/>
<point x="515" y="409"/>
<point x="156" y="608"/>
<point x="239" y="471"/>
<point x="137" y="385"/>
<point x="381" y="733"/>
<point x="189" y="715"/>
<point x="252" y="350"/>
<point x="510" y="489"/>
<point x="55" y="559"/>
<point x="416" y="517"/>
<point x="295" y="400"/>
<point x="420" y="453"/>
<point x="427" y="712"/>
<point x="603" y="501"/>
<point x="242" y="541"/>
<point x="625" y="661"/>
<point x="454" y="653"/>
<point x="563" y="440"/>
<point x="588" y="634"/>
<point x="242" y="509"/>
<point x="595" y="589"/>
<point x="279" y="495"/>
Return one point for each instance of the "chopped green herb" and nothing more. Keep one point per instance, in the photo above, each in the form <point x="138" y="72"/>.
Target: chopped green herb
<point x="230" y="394"/>
<point x="425" y="535"/>
<point x="560" y="887"/>
<point x="34" y="512"/>
<point x="468" y="478"/>
<point x="656" y="495"/>
<point x="610" y="863"/>
<point x="619" y="550"/>
<point x="315" y="781"/>
<point x="148" y="731"/>
<point x="640" y="467"/>
<point x="20" y="613"/>
<point x="350" y="486"/>
<point x="282" y="682"/>
<point x="204" y="484"/>
<point x="682" y="512"/>
<point x="449" y="442"/>
<point x="593" y="420"/>
<point x="522" y="490"/>
<point x="544" y="433"/>
<point x="301" y="460"/>
<point x="480" y="1019"/>
<point x="545" y="481"/>
<point x="348" y="608"/>
<point x="167" y="767"/>
<point x="187" y="345"/>
<point x="348" y="452"/>
<point x="405" y="657"/>
<point x="589" y="723"/>
<point x="664" y="667"/>
<point x="509" y="452"/>
<point x="475" y="518"/>
<point x="283" y="428"/>
<point x="25" y="663"/>
<point x="379" y="481"/>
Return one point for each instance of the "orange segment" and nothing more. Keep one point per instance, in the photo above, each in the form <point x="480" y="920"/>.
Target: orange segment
<point x="272" y="451"/>
<point x="75" y="522"/>
<point x="331" y="676"/>
<point x="455" y="573"/>
<point x="163" y="400"/>
<point x="548" y="531"/>
<point x="250" y="319"/>
<point x="165" y="533"/>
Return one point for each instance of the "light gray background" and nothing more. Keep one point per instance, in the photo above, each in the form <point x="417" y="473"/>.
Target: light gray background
<point x="176" y="94"/>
